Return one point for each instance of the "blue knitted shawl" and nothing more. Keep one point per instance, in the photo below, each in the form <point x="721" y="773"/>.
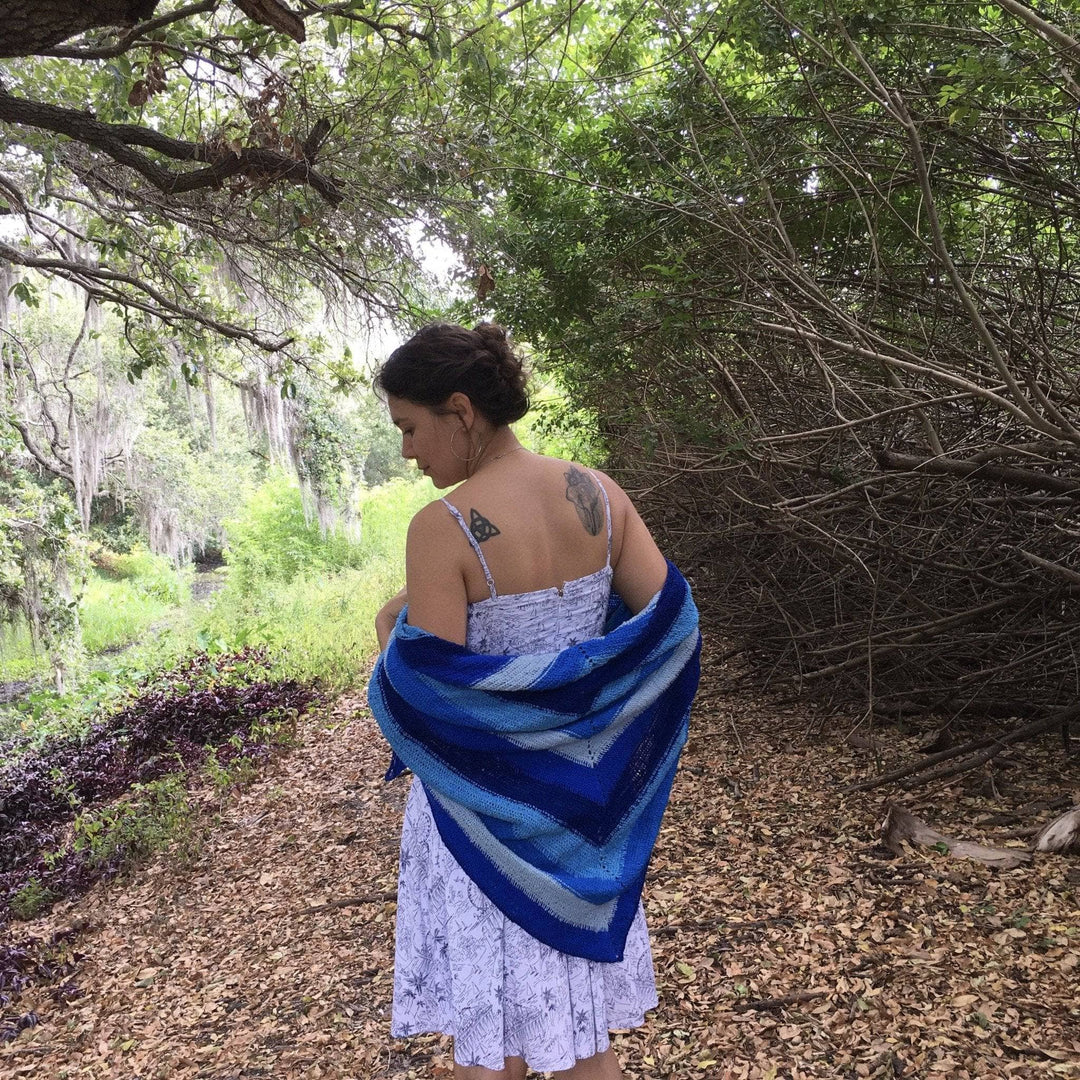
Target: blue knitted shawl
<point x="548" y="774"/>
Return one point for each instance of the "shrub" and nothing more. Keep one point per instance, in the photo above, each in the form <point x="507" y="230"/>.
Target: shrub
<point x="155" y="815"/>
<point x="273" y="541"/>
<point x="150" y="574"/>
<point x="311" y="600"/>
<point x="32" y="899"/>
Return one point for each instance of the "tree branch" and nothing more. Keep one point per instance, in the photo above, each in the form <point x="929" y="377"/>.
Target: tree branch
<point x="93" y="280"/>
<point x="274" y="14"/>
<point x="348" y="11"/>
<point x="1004" y="474"/>
<point x="36" y="452"/>
<point x="133" y="35"/>
<point x="1048" y="30"/>
<point x="117" y="140"/>
<point x="30" y="28"/>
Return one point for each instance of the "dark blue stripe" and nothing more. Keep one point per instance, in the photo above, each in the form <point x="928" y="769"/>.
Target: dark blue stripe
<point x="542" y="784"/>
<point x="566" y="687"/>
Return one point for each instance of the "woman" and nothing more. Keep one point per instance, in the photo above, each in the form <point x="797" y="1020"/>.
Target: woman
<point x="519" y="562"/>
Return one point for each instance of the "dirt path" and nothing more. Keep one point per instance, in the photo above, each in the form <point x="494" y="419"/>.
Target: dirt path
<point x="766" y="885"/>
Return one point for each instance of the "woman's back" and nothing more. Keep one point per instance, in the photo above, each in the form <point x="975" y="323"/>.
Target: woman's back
<point x="551" y="617"/>
<point x="520" y="558"/>
<point x="540" y="523"/>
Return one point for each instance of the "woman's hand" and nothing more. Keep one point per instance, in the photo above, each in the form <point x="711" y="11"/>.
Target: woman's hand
<point x="387" y="617"/>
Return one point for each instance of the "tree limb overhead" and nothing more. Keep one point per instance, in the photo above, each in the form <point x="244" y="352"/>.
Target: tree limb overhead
<point x="32" y="26"/>
<point x="274" y="14"/>
<point x="35" y="27"/>
<point x="118" y="141"/>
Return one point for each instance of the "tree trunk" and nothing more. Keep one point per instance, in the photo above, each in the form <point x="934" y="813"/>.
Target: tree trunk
<point x="31" y="26"/>
<point x="7" y="283"/>
<point x="901" y="824"/>
<point x="211" y="415"/>
<point x="1062" y="834"/>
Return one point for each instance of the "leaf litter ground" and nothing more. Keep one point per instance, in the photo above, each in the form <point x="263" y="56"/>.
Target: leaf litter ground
<point x="787" y="942"/>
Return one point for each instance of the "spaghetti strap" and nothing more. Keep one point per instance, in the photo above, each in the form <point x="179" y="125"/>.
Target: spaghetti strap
<point x="607" y="514"/>
<point x="476" y="545"/>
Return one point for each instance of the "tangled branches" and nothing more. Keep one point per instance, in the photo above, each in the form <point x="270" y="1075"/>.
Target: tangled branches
<point x="949" y="593"/>
<point x="853" y="383"/>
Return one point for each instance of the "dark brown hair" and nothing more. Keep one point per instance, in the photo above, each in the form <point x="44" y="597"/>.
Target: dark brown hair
<point x="443" y="358"/>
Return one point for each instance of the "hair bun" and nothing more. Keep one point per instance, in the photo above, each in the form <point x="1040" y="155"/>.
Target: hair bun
<point x="493" y="336"/>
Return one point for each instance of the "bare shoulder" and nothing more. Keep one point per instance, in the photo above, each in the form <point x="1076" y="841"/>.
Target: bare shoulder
<point x="614" y="492"/>
<point x="430" y="523"/>
<point x="586" y="483"/>
<point x="640" y="567"/>
<point x="433" y="579"/>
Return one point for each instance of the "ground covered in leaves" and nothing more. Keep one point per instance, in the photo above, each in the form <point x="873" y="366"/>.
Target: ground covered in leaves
<point x="787" y="942"/>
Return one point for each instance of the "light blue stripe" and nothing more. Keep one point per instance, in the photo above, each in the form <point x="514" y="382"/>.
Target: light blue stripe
<point x="522" y="671"/>
<point x="593" y="749"/>
<point x="539" y="887"/>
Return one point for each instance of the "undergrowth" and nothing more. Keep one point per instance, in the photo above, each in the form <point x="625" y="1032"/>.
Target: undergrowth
<point x="95" y="779"/>
<point x="83" y="807"/>
<point x="123" y="596"/>
<point x="313" y="608"/>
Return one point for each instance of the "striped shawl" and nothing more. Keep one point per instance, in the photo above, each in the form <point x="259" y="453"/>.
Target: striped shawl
<point x="548" y="774"/>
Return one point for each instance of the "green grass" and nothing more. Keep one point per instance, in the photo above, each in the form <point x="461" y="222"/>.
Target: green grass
<point x="113" y="613"/>
<point x="320" y="624"/>
<point x="18" y="659"/>
<point x="118" y="605"/>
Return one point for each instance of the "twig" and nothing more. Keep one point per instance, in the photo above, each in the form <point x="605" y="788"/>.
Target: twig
<point x="738" y="738"/>
<point x="995" y="743"/>
<point x="351" y="901"/>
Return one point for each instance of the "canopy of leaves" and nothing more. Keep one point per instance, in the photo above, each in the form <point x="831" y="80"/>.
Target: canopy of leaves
<point x="811" y="267"/>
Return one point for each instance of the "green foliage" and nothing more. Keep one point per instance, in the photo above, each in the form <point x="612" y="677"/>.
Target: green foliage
<point x="319" y="623"/>
<point x="31" y="900"/>
<point x="555" y="426"/>
<point x="40" y="570"/>
<point x="185" y="479"/>
<point x="114" y="613"/>
<point x="312" y="599"/>
<point x="130" y="593"/>
<point x="380" y="442"/>
<point x="149" y="574"/>
<point x="153" y="817"/>
<point x="225" y="776"/>
<point x="273" y="540"/>
<point x="20" y="656"/>
<point x="242" y="256"/>
<point x="43" y="712"/>
<point x="329" y="454"/>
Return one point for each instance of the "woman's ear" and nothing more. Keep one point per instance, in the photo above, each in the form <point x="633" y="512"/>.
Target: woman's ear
<point x="461" y="405"/>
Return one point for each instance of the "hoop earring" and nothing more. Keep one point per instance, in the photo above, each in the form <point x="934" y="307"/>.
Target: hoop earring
<point x="470" y="458"/>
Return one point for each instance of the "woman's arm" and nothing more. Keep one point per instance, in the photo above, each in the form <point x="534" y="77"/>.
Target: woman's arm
<point x="387" y="616"/>
<point x="433" y="576"/>
<point x="640" y="567"/>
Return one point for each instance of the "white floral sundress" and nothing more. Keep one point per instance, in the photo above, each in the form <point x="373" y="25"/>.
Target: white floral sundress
<point x="463" y="968"/>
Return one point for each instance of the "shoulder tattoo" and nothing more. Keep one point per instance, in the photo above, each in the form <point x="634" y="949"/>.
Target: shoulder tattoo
<point x="583" y="492"/>
<point x="480" y="527"/>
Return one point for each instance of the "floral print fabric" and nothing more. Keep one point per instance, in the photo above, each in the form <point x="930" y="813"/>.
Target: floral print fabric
<point x="460" y="966"/>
